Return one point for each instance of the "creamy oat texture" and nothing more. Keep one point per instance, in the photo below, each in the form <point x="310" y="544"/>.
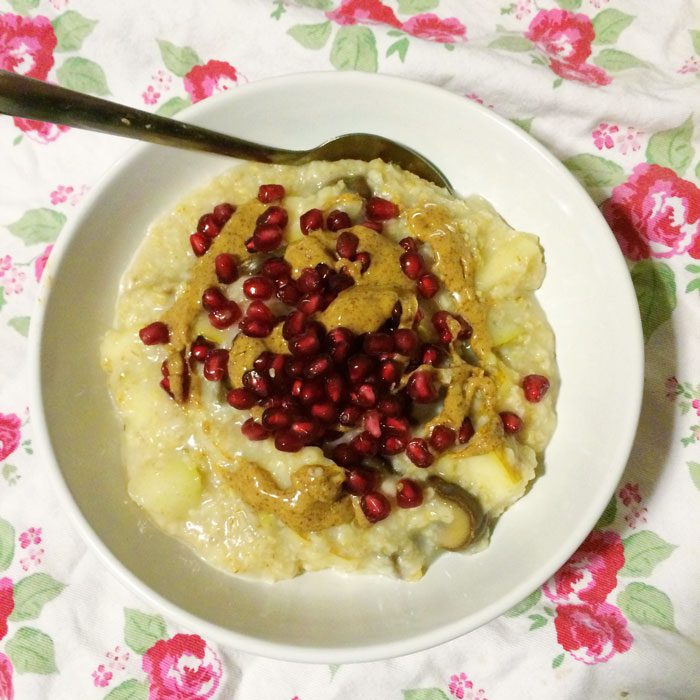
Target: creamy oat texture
<point x="185" y="460"/>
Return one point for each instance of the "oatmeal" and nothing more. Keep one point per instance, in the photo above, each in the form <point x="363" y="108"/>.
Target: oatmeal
<point x="336" y="365"/>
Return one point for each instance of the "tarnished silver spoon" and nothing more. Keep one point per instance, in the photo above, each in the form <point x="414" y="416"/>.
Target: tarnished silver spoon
<point x="33" y="99"/>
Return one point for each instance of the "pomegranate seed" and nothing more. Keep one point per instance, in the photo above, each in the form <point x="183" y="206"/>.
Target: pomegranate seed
<point x="346" y="245"/>
<point x="311" y="392"/>
<point x="466" y="430"/>
<point x="432" y="355"/>
<point x="223" y="212"/>
<point x="318" y="366"/>
<point x="339" y="281"/>
<point x="340" y="335"/>
<point x="340" y="352"/>
<point x="323" y="270"/>
<point x="359" y="368"/>
<point x="306" y="429"/>
<point x="311" y="220"/>
<point x="293" y="367"/>
<point x="405" y="341"/>
<point x="276" y="418"/>
<point x="207" y="225"/>
<point x="365" y="444"/>
<point x="375" y="506"/>
<point x="360" y="481"/>
<point x="293" y="325"/>
<point x="378" y="343"/>
<point x="258" y="382"/>
<point x="226" y="267"/>
<point x="310" y="304"/>
<point x="216" y="365"/>
<point x="267" y="237"/>
<point x="374" y="225"/>
<point x="254" y="431"/>
<point x="396" y="425"/>
<point x="271" y="193"/>
<point x="288" y="441"/>
<point x="325" y="411"/>
<point x="350" y="416"/>
<point x="409" y="494"/>
<point x="165" y="386"/>
<point x="422" y="388"/>
<point x="156" y="333"/>
<point x="274" y="215"/>
<point x="213" y="298"/>
<point x="304" y="345"/>
<point x="392" y="445"/>
<point x="417" y="451"/>
<point x="225" y="316"/>
<point x="289" y="293"/>
<point x="381" y="209"/>
<point x="250" y="245"/>
<point x="200" y="347"/>
<point x="365" y="260"/>
<point x="200" y="244"/>
<point x="442" y="438"/>
<point x="411" y="265"/>
<point x="389" y="372"/>
<point x="389" y="406"/>
<point x="263" y="361"/>
<point x="277" y="366"/>
<point x="309" y="280"/>
<point x="512" y="423"/>
<point x="535" y="386"/>
<point x="164" y="369"/>
<point x="276" y="269"/>
<point x="409" y="244"/>
<point x="364" y="396"/>
<point x="372" y="423"/>
<point x="260" y="312"/>
<point x="254" y="328"/>
<point x="335" y="387"/>
<point x="241" y="398"/>
<point x="344" y="455"/>
<point x="337" y="220"/>
<point x="428" y="286"/>
<point x="258" y="287"/>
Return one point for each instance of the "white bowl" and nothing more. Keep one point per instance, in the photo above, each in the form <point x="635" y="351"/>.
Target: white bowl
<point x="327" y="617"/>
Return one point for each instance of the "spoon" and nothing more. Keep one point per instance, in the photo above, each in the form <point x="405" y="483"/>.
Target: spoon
<point x="34" y="99"/>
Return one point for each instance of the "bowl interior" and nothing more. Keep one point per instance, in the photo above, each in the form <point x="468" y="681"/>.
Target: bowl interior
<point x="328" y="617"/>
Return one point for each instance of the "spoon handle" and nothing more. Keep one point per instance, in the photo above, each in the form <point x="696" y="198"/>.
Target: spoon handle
<point x="34" y="99"/>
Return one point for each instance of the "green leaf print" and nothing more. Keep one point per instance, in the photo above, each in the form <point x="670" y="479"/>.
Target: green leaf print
<point x="672" y="148"/>
<point x="537" y="621"/>
<point x="655" y="286"/>
<point x="333" y="668"/>
<point x="83" y="75"/>
<point x="178" y="59"/>
<point x="20" y="324"/>
<point x="693" y="286"/>
<point x="524" y="124"/>
<point x="694" y="468"/>
<point x="354" y="48"/>
<point x="173" y="106"/>
<point x="71" y="30"/>
<point x="142" y="631"/>
<point x="647" y="605"/>
<point x="614" y="60"/>
<point x="32" y="593"/>
<point x="524" y="605"/>
<point x="512" y="43"/>
<point x="311" y="36"/>
<point x="425" y="694"/>
<point x="31" y="651"/>
<point x="38" y="226"/>
<point x="697" y="167"/>
<point x="695" y="38"/>
<point x="2" y="297"/>
<point x="609" y="24"/>
<point x="7" y="542"/>
<point x="569" y="4"/>
<point x="412" y="7"/>
<point x="607" y="517"/>
<point x="643" y="551"/>
<point x="400" y="48"/>
<point x="594" y="171"/>
<point x="23" y="7"/>
<point x="317" y="4"/>
<point x="558" y="660"/>
<point x="129" y="690"/>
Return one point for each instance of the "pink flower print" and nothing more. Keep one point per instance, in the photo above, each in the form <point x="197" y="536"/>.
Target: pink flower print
<point x="7" y="603"/>
<point x="30" y="536"/>
<point x="672" y="388"/>
<point x="26" y="45"/>
<point x="475" y="98"/>
<point x="692" y="65"/>
<point x="150" y="96"/>
<point x="592" y="633"/>
<point x="60" y="194"/>
<point x="696" y="405"/>
<point x="41" y="132"/>
<point x="77" y="196"/>
<point x="40" y="262"/>
<point x="629" y="494"/>
<point x="162" y="79"/>
<point x="629" y="140"/>
<point x="431" y="27"/>
<point x="10" y="427"/>
<point x="636" y="517"/>
<point x="11" y="279"/>
<point x="591" y="572"/>
<point x="463" y="689"/>
<point x="59" y="4"/>
<point x="523" y="8"/>
<point x="118" y="658"/>
<point x="583" y="72"/>
<point x="7" y="691"/>
<point x="602" y="136"/>
<point x="363" y="12"/>
<point x="101" y="676"/>
<point x="212" y="77"/>
<point x="34" y="558"/>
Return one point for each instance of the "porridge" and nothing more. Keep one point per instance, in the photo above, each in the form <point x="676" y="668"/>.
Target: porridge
<point x="342" y="367"/>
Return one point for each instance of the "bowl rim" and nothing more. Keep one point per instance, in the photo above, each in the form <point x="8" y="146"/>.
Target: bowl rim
<point x="246" y="642"/>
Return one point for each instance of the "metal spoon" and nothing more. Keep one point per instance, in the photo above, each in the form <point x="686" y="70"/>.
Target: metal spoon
<point x="34" y="99"/>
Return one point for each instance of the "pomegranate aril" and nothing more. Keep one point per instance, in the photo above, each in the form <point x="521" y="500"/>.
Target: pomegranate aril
<point x="250" y="245"/>
<point x="311" y="392"/>
<point x="306" y="428"/>
<point x="389" y="406"/>
<point x="432" y="355"/>
<point x="271" y="193"/>
<point x="535" y="386"/>
<point x="165" y="385"/>
<point x="378" y="343"/>
<point x="339" y="281"/>
<point x="311" y="220"/>
<point x="200" y="244"/>
<point x="226" y="267"/>
<point x="372" y="423"/>
<point x="207" y="225"/>
<point x="381" y="209"/>
<point x="258" y="382"/>
<point x="263" y="361"/>
<point x="442" y="438"/>
<point x="440" y="321"/>
<point x="418" y="452"/>
<point x="200" y="347"/>
<point x="276" y="269"/>
<point x="337" y="220"/>
<point x="276" y="418"/>
<point x="395" y="425"/>
<point x="309" y="280"/>
<point x="389" y="372"/>
<point x="274" y="215"/>
<point x="374" y="225"/>
<point x="411" y="265"/>
<point x="310" y="304"/>
<point x="288" y="441"/>
<point x="156" y="333"/>
<point x="318" y="366"/>
<point x="213" y="298"/>
<point x="465" y="432"/>
<point x="364" y="396"/>
<point x="512" y="422"/>
<point x="366" y="444"/>
<point x="215" y="365"/>
<point x="335" y="387"/>
<point x="360" y="481"/>
<point x="409" y="244"/>
<point x="164" y="369"/>
<point x="428" y="285"/>
<point x="421" y="387"/>
<point x="340" y="335"/>
<point x="293" y="366"/>
<point x="325" y="411"/>
<point x="277" y="367"/>
<point x="241" y="398"/>
<point x="375" y="506"/>
<point x="260" y="312"/>
<point x="223" y="212"/>
<point x="225" y="316"/>
<point x="324" y="270"/>
<point x="360" y="367"/>
<point x="344" y="455"/>
<point x="365" y="260"/>
<point x="258" y="287"/>
<point x="346" y="245"/>
<point x="254" y="431"/>
<point x="267" y="237"/>
<point x="350" y="416"/>
<point x="409" y="494"/>
<point x="294" y="325"/>
<point x="405" y="341"/>
<point x="392" y="445"/>
<point x="288" y="292"/>
<point x="304" y="345"/>
<point x="254" y="328"/>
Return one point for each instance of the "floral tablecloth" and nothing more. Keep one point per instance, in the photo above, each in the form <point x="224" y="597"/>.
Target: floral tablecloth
<point x="610" y="86"/>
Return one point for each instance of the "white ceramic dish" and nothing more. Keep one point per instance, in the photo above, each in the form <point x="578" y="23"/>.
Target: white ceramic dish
<point x="326" y="617"/>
